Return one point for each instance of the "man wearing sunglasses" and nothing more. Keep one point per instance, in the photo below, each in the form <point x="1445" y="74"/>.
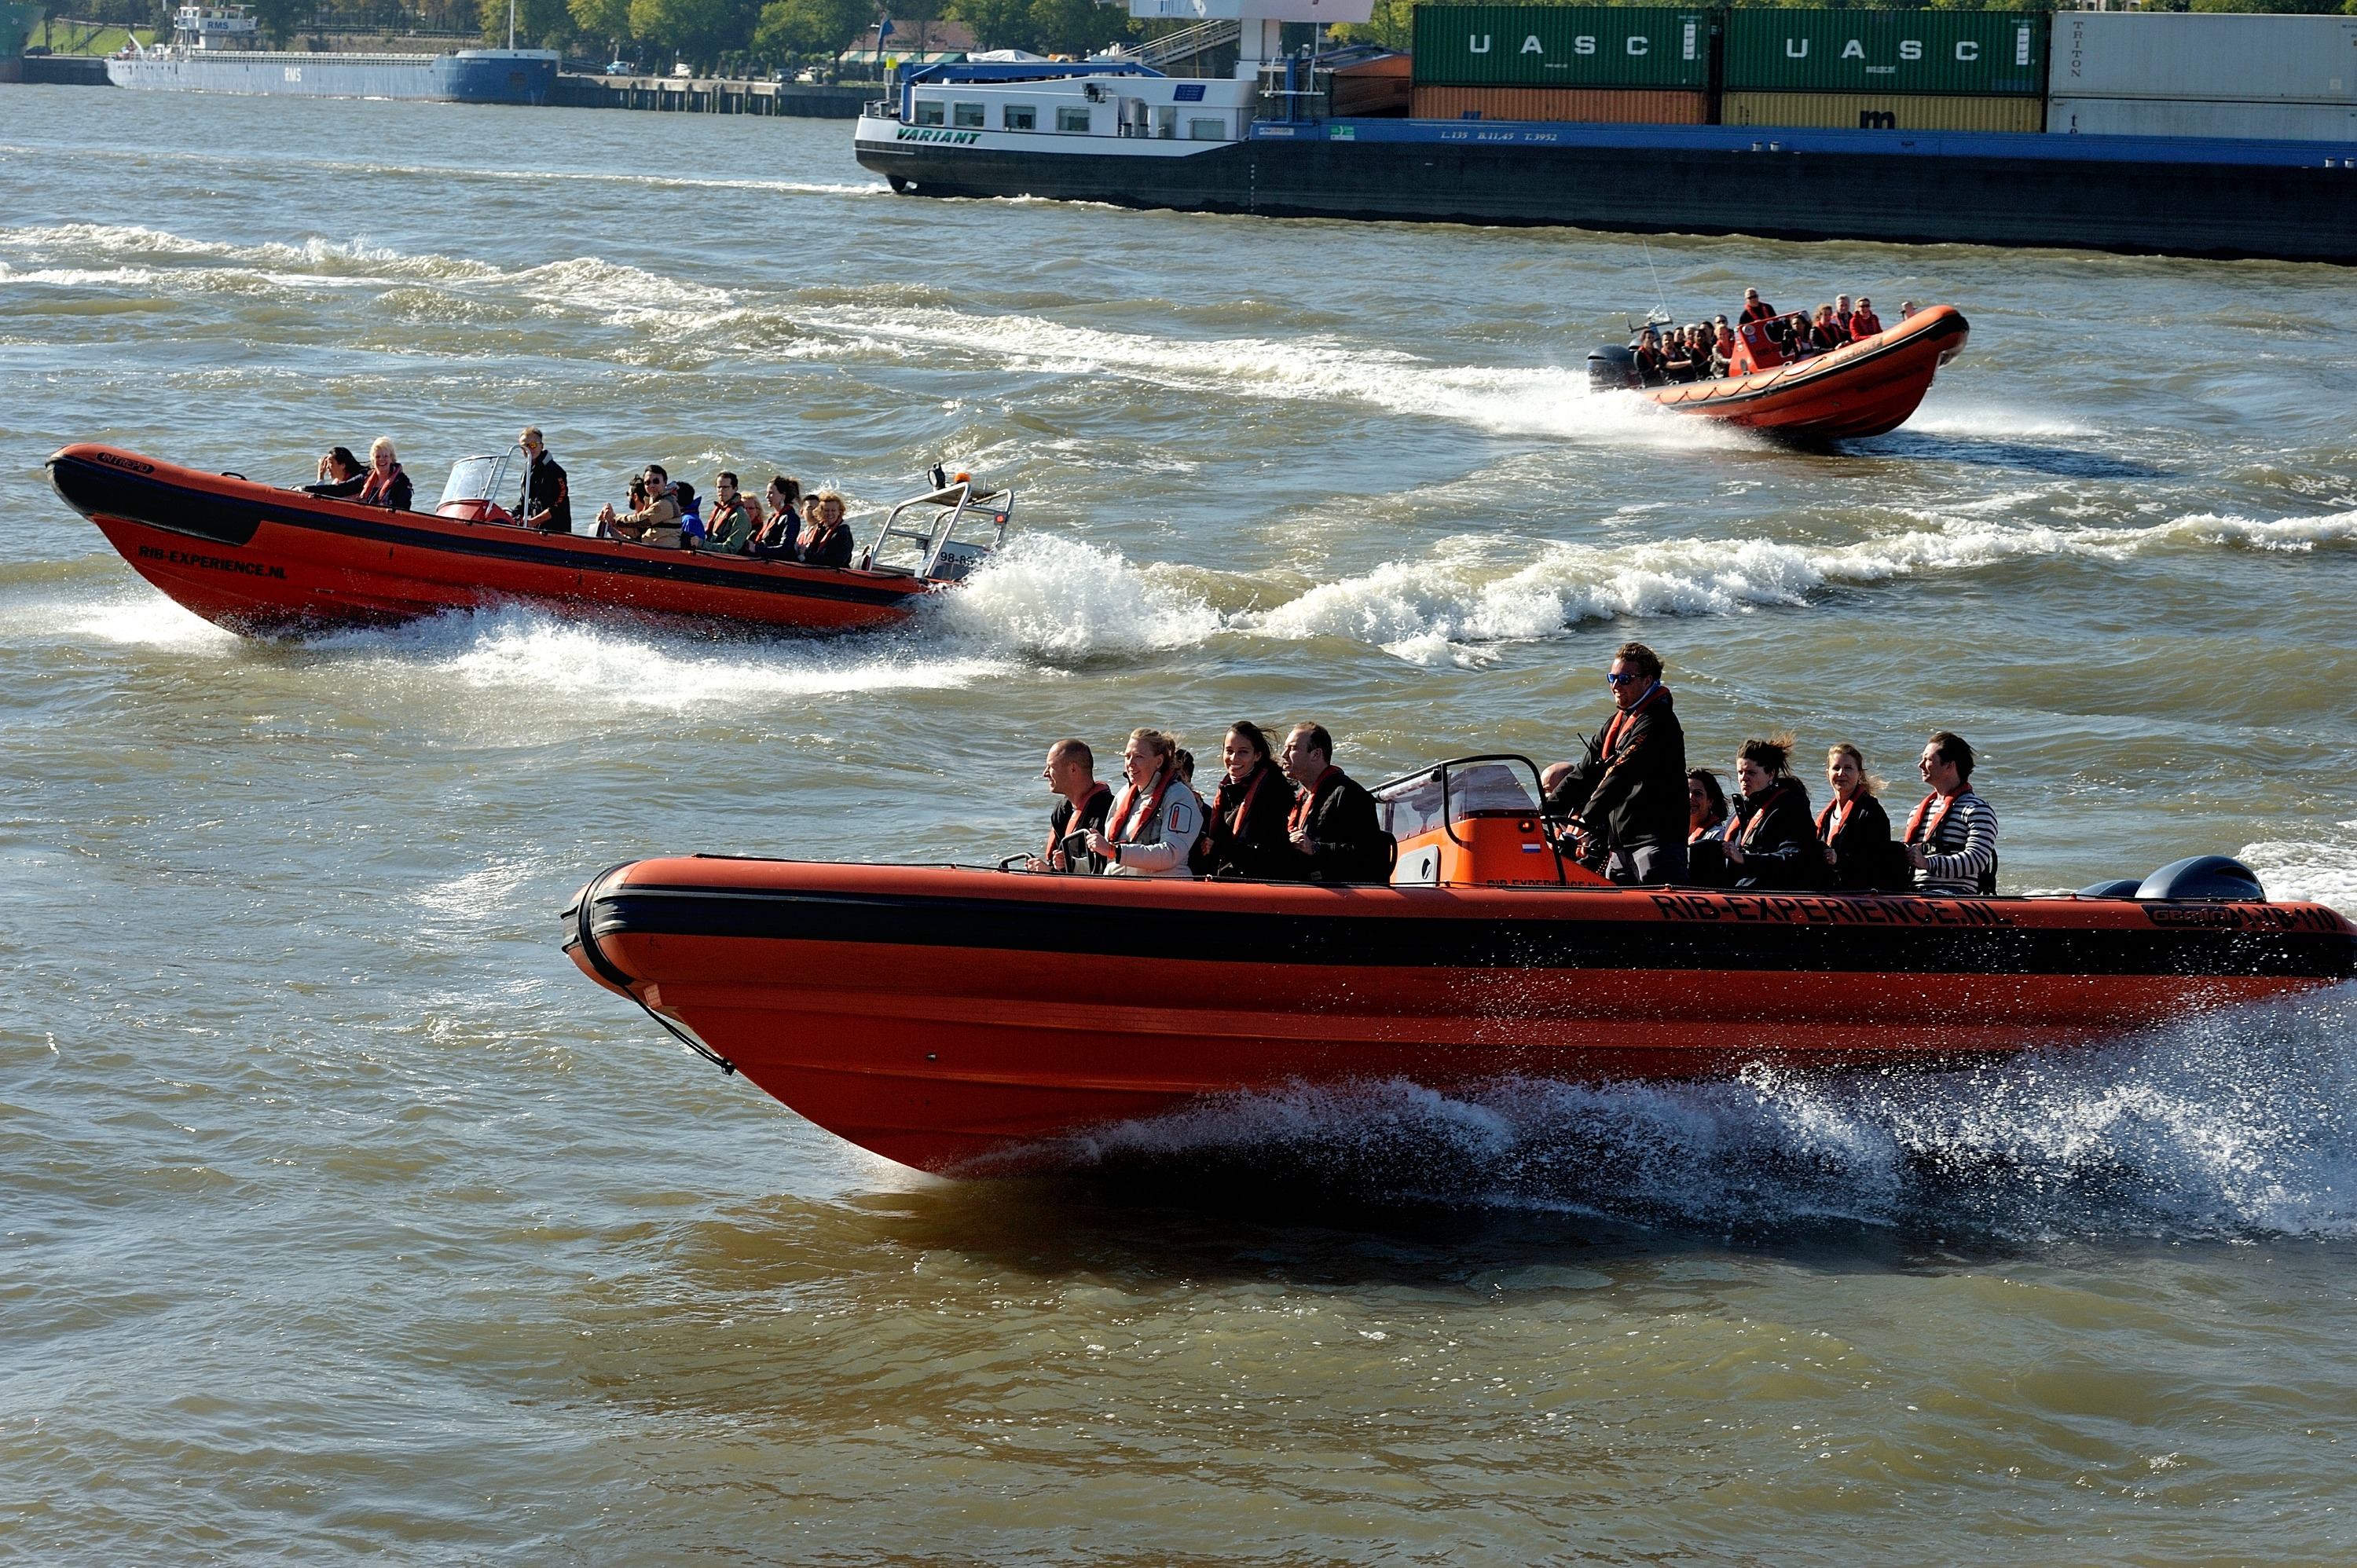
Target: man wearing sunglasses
<point x="1630" y="788"/>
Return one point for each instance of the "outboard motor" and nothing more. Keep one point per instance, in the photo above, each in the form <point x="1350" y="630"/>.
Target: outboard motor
<point x="1611" y="368"/>
<point x="2204" y="876"/>
<point x="2118" y="887"/>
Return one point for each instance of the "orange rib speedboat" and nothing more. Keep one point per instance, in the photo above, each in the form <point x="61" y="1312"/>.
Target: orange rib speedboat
<point x="265" y="560"/>
<point x="967" y="1020"/>
<point x="1867" y="388"/>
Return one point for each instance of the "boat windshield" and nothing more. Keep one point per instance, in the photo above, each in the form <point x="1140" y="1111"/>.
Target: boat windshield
<point x="475" y="480"/>
<point x="1472" y="787"/>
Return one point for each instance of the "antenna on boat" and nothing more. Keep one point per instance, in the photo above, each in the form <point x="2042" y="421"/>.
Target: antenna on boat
<point x="511" y="4"/>
<point x="1660" y="300"/>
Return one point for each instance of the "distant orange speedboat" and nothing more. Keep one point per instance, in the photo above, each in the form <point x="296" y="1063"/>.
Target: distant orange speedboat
<point x="966" y="1020"/>
<point x="1866" y="388"/>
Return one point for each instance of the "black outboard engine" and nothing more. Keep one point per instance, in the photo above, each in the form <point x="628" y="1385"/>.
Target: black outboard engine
<point x="1612" y="369"/>
<point x="2204" y="876"/>
<point x="2117" y="887"/>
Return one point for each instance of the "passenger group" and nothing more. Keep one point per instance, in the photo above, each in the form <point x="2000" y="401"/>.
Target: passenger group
<point x="782" y="525"/>
<point x="1645" y="817"/>
<point x="1702" y="351"/>
<point x="1640" y="816"/>
<point x="1287" y="816"/>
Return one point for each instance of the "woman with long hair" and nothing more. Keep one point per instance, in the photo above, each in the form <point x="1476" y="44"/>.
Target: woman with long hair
<point x="1770" y="840"/>
<point x="1854" y="830"/>
<point x="1244" y="838"/>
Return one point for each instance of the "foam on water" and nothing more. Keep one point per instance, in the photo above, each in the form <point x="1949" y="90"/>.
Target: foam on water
<point x="1541" y="400"/>
<point x="627" y="667"/>
<point x="2323" y="870"/>
<point x="2244" y="1123"/>
<point x="1447" y="605"/>
<point x="148" y="620"/>
<point x="1051" y="597"/>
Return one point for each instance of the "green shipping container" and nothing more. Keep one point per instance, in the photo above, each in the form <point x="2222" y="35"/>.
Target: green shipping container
<point x="1983" y="53"/>
<point x="1561" y="46"/>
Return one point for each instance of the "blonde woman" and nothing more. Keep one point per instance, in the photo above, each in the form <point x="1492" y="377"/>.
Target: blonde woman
<point x="387" y="485"/>
<point x="1152" y="825"/>
<point x="1854" y="830"/>
<point x="826" y="538"/>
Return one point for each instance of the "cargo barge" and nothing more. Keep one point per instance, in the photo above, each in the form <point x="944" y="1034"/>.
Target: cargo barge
<point x="1120" y="133"/>
<point x="207" y="55"/>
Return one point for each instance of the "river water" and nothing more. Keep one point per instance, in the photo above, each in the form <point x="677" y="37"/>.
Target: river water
<point x="344" y="1220"/>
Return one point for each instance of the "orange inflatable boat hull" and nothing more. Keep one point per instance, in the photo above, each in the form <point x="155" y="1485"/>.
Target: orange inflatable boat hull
<point x="265" y="560"/>
<point x="969" y="1021"/>
<point x="1867" y="388"/>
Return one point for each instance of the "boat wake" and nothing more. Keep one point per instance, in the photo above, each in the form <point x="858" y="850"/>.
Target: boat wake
<point x="2243" y="1125"/>
<point x="1532" y="399"/>
<point x="1455" y="603"/>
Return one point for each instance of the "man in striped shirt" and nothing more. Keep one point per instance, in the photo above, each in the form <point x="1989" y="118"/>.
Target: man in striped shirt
<point x="1950" y="839"/>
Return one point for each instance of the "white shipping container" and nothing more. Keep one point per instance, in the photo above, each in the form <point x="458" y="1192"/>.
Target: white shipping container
<point x="2214" y="57"/>
<point x="2183" y="117"/>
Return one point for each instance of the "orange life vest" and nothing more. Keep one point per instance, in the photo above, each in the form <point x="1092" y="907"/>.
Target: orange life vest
<point x="1924" y="808"/>
<point x="1121" y="822"/>
<point x="372" y="493"/>
<point x="1302" y="808"/>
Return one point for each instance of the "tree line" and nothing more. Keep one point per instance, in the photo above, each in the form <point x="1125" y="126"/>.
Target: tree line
<point x="764" y="35"/>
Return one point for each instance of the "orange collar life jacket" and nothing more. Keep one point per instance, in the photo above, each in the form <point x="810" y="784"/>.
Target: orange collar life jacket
<point x="1120" y="823"/>
<point x="1072" y="822"/>
<point x="1923" y="808"/>
<point x="1837" y="810"/>
<point x="1309" y="801"/>
<point x="1622" y="718"/>
<point x="378" y="484"/>
<point x="1252" y="791"/>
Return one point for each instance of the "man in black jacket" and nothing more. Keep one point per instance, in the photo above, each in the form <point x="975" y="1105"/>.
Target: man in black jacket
<point x="1630" y="788"/>
<point x="1334" y="829"/>
<point x="1083" y="800"/>
<point x="545" y="504"/>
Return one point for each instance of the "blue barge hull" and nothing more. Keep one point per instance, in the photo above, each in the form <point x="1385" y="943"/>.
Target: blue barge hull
<point x="2288" y="200"/>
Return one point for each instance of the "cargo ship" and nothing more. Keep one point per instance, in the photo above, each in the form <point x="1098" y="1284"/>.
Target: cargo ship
<point x="1911" y="127"/>
<point x="211" y="51"/>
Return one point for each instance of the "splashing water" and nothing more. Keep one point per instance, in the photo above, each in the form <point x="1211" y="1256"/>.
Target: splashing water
<point x="2240" y="1125"/>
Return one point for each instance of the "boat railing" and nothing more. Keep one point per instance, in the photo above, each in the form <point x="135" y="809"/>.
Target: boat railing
<point x="928" y="547"/>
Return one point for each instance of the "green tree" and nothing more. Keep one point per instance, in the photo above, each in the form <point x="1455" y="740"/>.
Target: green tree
<point x="810" y="27"/>
<point x="693" y="29"/>
<point x="1077" y="27"/>
<point x="540" y="23"/>
<point x="997" y="23"/>
<point x="1061" y="27"/>
<point x="607" y="19"/>
<point x="1391" y="25"/>
<point x="280" y="19"/>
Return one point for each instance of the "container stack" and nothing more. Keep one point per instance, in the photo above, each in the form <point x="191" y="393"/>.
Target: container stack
<point x="1648" y="65"/>
<point x="1886" y="70"/>
<point x="2127" y="74"/>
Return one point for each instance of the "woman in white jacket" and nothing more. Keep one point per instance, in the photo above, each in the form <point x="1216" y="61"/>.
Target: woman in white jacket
<point x="1154" y="822"/>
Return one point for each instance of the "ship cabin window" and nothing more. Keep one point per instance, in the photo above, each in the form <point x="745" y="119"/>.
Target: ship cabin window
<point x="1072" y="120"/>
<point x="1020" y="117"/>
<point x="966" y="114"/>
<point x="929" y="112"/>
<point x="1207" y="130"/>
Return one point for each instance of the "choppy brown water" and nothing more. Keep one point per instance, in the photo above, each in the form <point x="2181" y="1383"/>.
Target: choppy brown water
<point x="344" y="1221"/>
